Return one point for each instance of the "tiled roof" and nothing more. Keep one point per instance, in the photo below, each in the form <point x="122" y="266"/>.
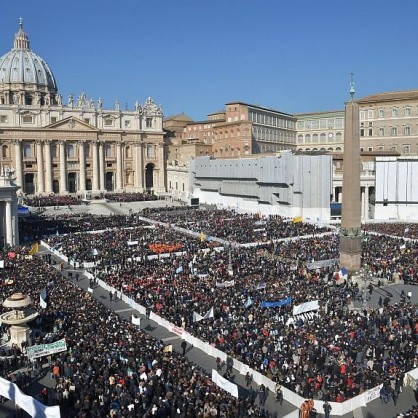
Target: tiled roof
<point x="390" y="96"/>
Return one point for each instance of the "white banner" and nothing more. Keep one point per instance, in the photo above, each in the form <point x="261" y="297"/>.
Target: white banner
<point x="224" y="384"/>
<point x="33" y="407"/>
<point x="305" y="307"/>
<point x="41" y="350"/>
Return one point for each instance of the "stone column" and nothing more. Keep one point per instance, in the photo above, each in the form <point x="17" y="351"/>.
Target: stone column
<point x="40" y="165"/>
<point x="119" y="181"/>
<point x="95" y="167"/>
<point x="82" y="165"/>
<point x="48" y="167"/>
<point x="139" y="183"/>
<point x="18" y="158"/>
<point x="362" y="203"/>
<point x="9" y="232"/>
<point x="63" y="180"/>
<point x="366" y="202"/>
<point x="101" y="166"/>
<point x="160" y="162"/>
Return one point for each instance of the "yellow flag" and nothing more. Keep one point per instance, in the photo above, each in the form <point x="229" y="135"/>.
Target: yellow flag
<point x="297" y="219"/>
<point x="202" y="237"/>
<point x="34" y="249"/>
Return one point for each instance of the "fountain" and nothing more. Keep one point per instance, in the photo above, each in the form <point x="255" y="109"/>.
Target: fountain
<point x="18" y="318"/>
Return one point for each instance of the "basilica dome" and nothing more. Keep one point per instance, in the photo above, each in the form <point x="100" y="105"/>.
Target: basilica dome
<point x="25" y="78"/>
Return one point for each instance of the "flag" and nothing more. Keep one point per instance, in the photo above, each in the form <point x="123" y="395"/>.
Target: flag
<point x="197" y="317"/>
<point x="209" y="313"/>
<point x="202" y="237"/>
<point x="130" y="372"/>
<point x="248" y="303"/>
<point x="42" y="299"/>
<point x="34" y="249"/>
<point x="90" y="290"/>
<point x="179" y="270"/>
<point x="260" y="286"/>
<point x="342" y="273"/>
<point x="297" y="219"/>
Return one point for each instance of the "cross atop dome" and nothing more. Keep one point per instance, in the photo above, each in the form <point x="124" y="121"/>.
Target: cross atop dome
<point x="21" y="39"/>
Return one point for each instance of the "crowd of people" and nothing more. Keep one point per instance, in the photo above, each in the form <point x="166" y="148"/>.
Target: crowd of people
<point x="334" y="353"/>
<point x="398" y="229"/>
<point x="130" y="197"/>
<point x="52" y="200"/>
<point x="235" y="227"/>
<point x="110" y="367"/>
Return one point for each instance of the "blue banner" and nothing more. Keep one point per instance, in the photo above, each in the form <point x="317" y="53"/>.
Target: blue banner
<point x="283" y="302"/>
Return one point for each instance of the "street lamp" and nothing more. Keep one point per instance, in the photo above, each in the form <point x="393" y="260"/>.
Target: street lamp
<point x="366" y="276"/>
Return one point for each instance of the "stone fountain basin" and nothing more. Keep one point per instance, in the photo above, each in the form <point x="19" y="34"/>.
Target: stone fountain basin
<point x="10" y="318"/>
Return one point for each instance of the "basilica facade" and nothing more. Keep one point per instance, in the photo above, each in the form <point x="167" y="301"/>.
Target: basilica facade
<point x="77" y="147"/>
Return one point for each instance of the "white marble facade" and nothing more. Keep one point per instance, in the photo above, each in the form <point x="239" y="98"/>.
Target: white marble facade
<point x="73" y="145"/>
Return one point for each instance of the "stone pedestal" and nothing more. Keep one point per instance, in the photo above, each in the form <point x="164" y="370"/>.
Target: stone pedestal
<point x="20" y="334"/>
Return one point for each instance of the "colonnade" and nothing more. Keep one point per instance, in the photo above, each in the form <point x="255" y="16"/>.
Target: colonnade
<point x="365" y="199"/>
<point x="91" y="167"/>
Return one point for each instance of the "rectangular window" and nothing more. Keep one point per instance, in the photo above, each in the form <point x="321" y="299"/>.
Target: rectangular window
<point x="108" y="151"/>
<point x="370" y="149"/>
<point x="3" y="119"/>
<point x="381" y="131"/>
<point x="370" y="132"/>
<point x="371" y="114"/>
<point x="177" y="185"/>
<point x="362" y="114"/>
<point x="86" y="120"/>
<point x="361" y="132"/>
<point x="150" y="151"/>
<point x="407" y="111"/>
<point x="407" y="130"/>
<point x="381" y="148"/>
<point x="27" y="150"/>
<point x="53" y="119"/>
<point x="149" y="123"/>
<point x="70" y="151"/>
<point x="27" y="119"/>
<point x="127" y="123"/>
<point x="393" y="147"/>
<point x="108" y="122"/>
<point x="381" y="113"/>
<point x="393" y="130"/>
<point x="407" y="149"/>
<point x="394" y="112"/>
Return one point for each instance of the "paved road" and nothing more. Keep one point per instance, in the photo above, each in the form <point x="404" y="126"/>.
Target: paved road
<point x="374" y="409"/>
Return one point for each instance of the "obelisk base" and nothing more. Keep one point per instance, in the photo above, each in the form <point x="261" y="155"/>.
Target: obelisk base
<point x="350" y="253"/>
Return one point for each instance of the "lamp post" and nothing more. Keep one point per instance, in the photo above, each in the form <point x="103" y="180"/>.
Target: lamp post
<point x="366" y="276"/>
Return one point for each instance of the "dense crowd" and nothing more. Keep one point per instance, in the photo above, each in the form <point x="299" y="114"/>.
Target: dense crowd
<point x="111" y="368"/>
<point x="235" y="227"/>
<point x="131" y="197"/>
<point x="53" y="200"/>
<point x="334" y="354"/>
<point x="398" y="229"/>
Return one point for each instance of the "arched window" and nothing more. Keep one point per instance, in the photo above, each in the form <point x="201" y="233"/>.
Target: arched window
<point x="307" y="139"/>
<point x="315" y="138"/>
<point x="128" y="152"/>
<point x="338" y="137"/>
<point x="4" y="151"/>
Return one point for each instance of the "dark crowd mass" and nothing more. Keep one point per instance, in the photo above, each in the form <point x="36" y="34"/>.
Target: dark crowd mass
<point x="335" y="353"/>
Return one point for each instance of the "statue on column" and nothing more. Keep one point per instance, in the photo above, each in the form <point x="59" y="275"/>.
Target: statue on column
<point x="117" y="105"/>
<point x="99" y="104"/>
<point x="58" y="98"/>
<point x="70" y="100"/>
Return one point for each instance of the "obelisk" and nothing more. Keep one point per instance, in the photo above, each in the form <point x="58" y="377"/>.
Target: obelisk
<point x="350" y="232"/>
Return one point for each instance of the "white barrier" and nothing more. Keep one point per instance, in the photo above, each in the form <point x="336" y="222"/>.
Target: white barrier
<point x="33" y="407"/>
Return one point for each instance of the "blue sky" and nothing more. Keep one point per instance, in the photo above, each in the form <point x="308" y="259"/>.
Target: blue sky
<point x="194" y="56"/>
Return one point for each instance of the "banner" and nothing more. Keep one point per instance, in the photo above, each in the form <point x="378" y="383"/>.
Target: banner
<point x="297" y="219"/>
<point x="283" y="302"/>
<point x="132" y="243"/>
<point x="305" y="307"/>
<point x="41" y="350"/>
<point x="324" y="263"/>
<point x="228" y="283"/>
<point x="260" y="286"/>
<point x="33" y="407"/>
<point x="224" y="384"/>
<point x="197" y="317"/>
